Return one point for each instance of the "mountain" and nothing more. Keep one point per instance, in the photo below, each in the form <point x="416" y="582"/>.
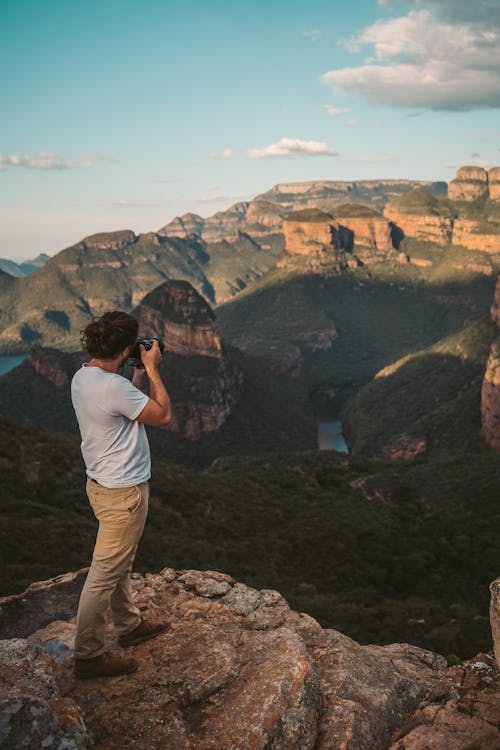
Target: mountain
<point x="116" y="269"/>
<point x="264" y="214"/>
<point x="223" y="401"/>
<point x="19" y="270"/>
<point x="237" y="668"/>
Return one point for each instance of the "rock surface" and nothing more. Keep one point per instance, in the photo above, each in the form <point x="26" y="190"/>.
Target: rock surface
<point x="468" y="233"/>
<point x="490" y="392"/>
<point x="436" y="229"/>
<point x="237" y="669"/>
<point x="470" y="183"/>
<point x="181" y="317"/>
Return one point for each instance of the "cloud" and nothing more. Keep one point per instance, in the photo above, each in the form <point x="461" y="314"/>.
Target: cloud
<point x="226" y="154"/>
<point x="291" y="147"/>
<point x="423" y="62"/>
<point x="313" y="34"/>
<point x="49" y="160"/>
<point x="334" y="111"/>
<point x="351" y="122"/>
<point x="475" y="12"/>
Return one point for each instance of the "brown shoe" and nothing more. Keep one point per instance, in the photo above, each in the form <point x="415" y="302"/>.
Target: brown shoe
<point x="105" y="665"/>
<point x="146" y="629"/>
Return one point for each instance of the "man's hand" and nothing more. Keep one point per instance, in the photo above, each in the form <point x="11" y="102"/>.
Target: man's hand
<point x="151" y="358"/>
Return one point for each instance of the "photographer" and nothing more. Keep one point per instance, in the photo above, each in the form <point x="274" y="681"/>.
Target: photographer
<point x="111" y="413"/>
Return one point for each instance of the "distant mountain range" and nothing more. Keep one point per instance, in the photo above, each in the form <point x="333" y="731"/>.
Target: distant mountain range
<point x="18" y="270"/>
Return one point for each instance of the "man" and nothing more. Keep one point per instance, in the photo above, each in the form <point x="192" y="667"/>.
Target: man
<point x="111" y="413"/>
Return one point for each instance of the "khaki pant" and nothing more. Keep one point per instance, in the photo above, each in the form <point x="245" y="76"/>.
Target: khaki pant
<point x="121" y="513"/>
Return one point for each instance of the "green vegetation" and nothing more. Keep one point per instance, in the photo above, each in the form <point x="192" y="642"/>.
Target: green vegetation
<point x="309" y="214"/>
<point x="379" y="318"/>
<point x="434" y="392"/>
<point x="367" y="547"/>
<point x="420" y="201"/>
<point x="356" y="211"/>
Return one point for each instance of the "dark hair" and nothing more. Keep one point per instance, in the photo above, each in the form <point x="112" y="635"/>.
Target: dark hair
<point x="107" y="336"/>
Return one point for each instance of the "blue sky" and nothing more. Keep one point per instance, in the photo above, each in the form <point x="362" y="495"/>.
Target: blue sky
<point x="125" y="114"/>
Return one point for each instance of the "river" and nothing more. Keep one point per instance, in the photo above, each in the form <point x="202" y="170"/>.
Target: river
<point x="8" y="363"/>
<point x="331" y="437"/>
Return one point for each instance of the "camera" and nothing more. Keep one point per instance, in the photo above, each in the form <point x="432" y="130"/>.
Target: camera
<point x="135" y="355"/>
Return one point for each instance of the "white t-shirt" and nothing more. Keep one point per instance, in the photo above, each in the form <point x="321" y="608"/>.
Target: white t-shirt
<point x="114" y="447"/>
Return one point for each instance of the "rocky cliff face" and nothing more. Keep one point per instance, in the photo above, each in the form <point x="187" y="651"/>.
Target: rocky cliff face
<point x="313" y="231"/>
<point x="490" y="393"/>
<point x="470" y="183"/>
<point x="54" y="366"/>
<point x="204" y="382"/>
<point x="468" y="233"/>
<point x="494" y="183"/>
<point x="237" y="669"/>
<point x="436" y="229"/>
<point x="182" y="318"/>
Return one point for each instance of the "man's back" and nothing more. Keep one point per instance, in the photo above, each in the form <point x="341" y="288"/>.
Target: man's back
<point x="114" y="446"/>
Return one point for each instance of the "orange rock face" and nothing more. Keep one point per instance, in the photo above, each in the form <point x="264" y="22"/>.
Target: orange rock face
<point x="469" y="184"/>
<point x="494" y="183"/>
<point x="465" y="233"/>
<point x="308" y="237"/>
<point x="182" y="318"/>
<point x="490" y="399"/>
<point x="373" y="232"/>
<point x="437" y="229"/>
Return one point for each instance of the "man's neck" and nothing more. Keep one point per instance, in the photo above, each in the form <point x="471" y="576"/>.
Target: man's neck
<point x="110" y="365"/>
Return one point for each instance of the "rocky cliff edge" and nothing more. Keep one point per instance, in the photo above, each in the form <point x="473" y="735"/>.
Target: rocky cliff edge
<point x="237" y="670"/>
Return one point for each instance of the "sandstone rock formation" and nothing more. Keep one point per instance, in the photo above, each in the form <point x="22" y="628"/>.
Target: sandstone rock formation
<point x="468" y="233"/>
<point x="110" y="240"/>
<point x="470" y="183"/>
<point x="204" y="382"/>
<point x="490" y="392"/>
<point x="237" y="669"/>
<point x="418" y="214"/>
<point x="370" y="230"/>
<point x="315" y="233"/>
<point x="494" y="183"/>
<point x="181" y="317"/>
<point x="52" y="366"/>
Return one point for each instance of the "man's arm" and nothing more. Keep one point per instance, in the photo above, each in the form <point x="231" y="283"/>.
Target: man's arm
<point x="158" y="410"/>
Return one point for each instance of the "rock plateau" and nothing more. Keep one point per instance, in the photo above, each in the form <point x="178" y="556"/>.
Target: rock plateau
<point x="238" y="669"/>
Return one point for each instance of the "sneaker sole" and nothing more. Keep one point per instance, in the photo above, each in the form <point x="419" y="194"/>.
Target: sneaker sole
<point x="142" y="638"/>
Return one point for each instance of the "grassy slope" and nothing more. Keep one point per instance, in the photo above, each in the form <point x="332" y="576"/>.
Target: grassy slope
<point x="379" y="318"/>
<point x="365" y="546"/>
<point x="435" y="392"/>
<point x="271" y="414"/>
<point x="52" y="305"/>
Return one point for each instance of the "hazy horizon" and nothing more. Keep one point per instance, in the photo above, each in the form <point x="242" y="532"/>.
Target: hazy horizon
<point x="124" y="116"/>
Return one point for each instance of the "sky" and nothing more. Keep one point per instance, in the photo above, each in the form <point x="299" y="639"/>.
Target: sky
<point x="122" y="115"/>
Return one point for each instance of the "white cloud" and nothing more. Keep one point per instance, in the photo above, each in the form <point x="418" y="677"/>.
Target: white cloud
<point x="313" y="34"/>
<point x="334" y="111"/>
<point x="351" y="122"/>
<point x="49" y="160"/>
<point x="291" y="147"/>
<point x="226" y="154"/>
<point x="485" y="12"/>
<point x="420" y="61"/>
